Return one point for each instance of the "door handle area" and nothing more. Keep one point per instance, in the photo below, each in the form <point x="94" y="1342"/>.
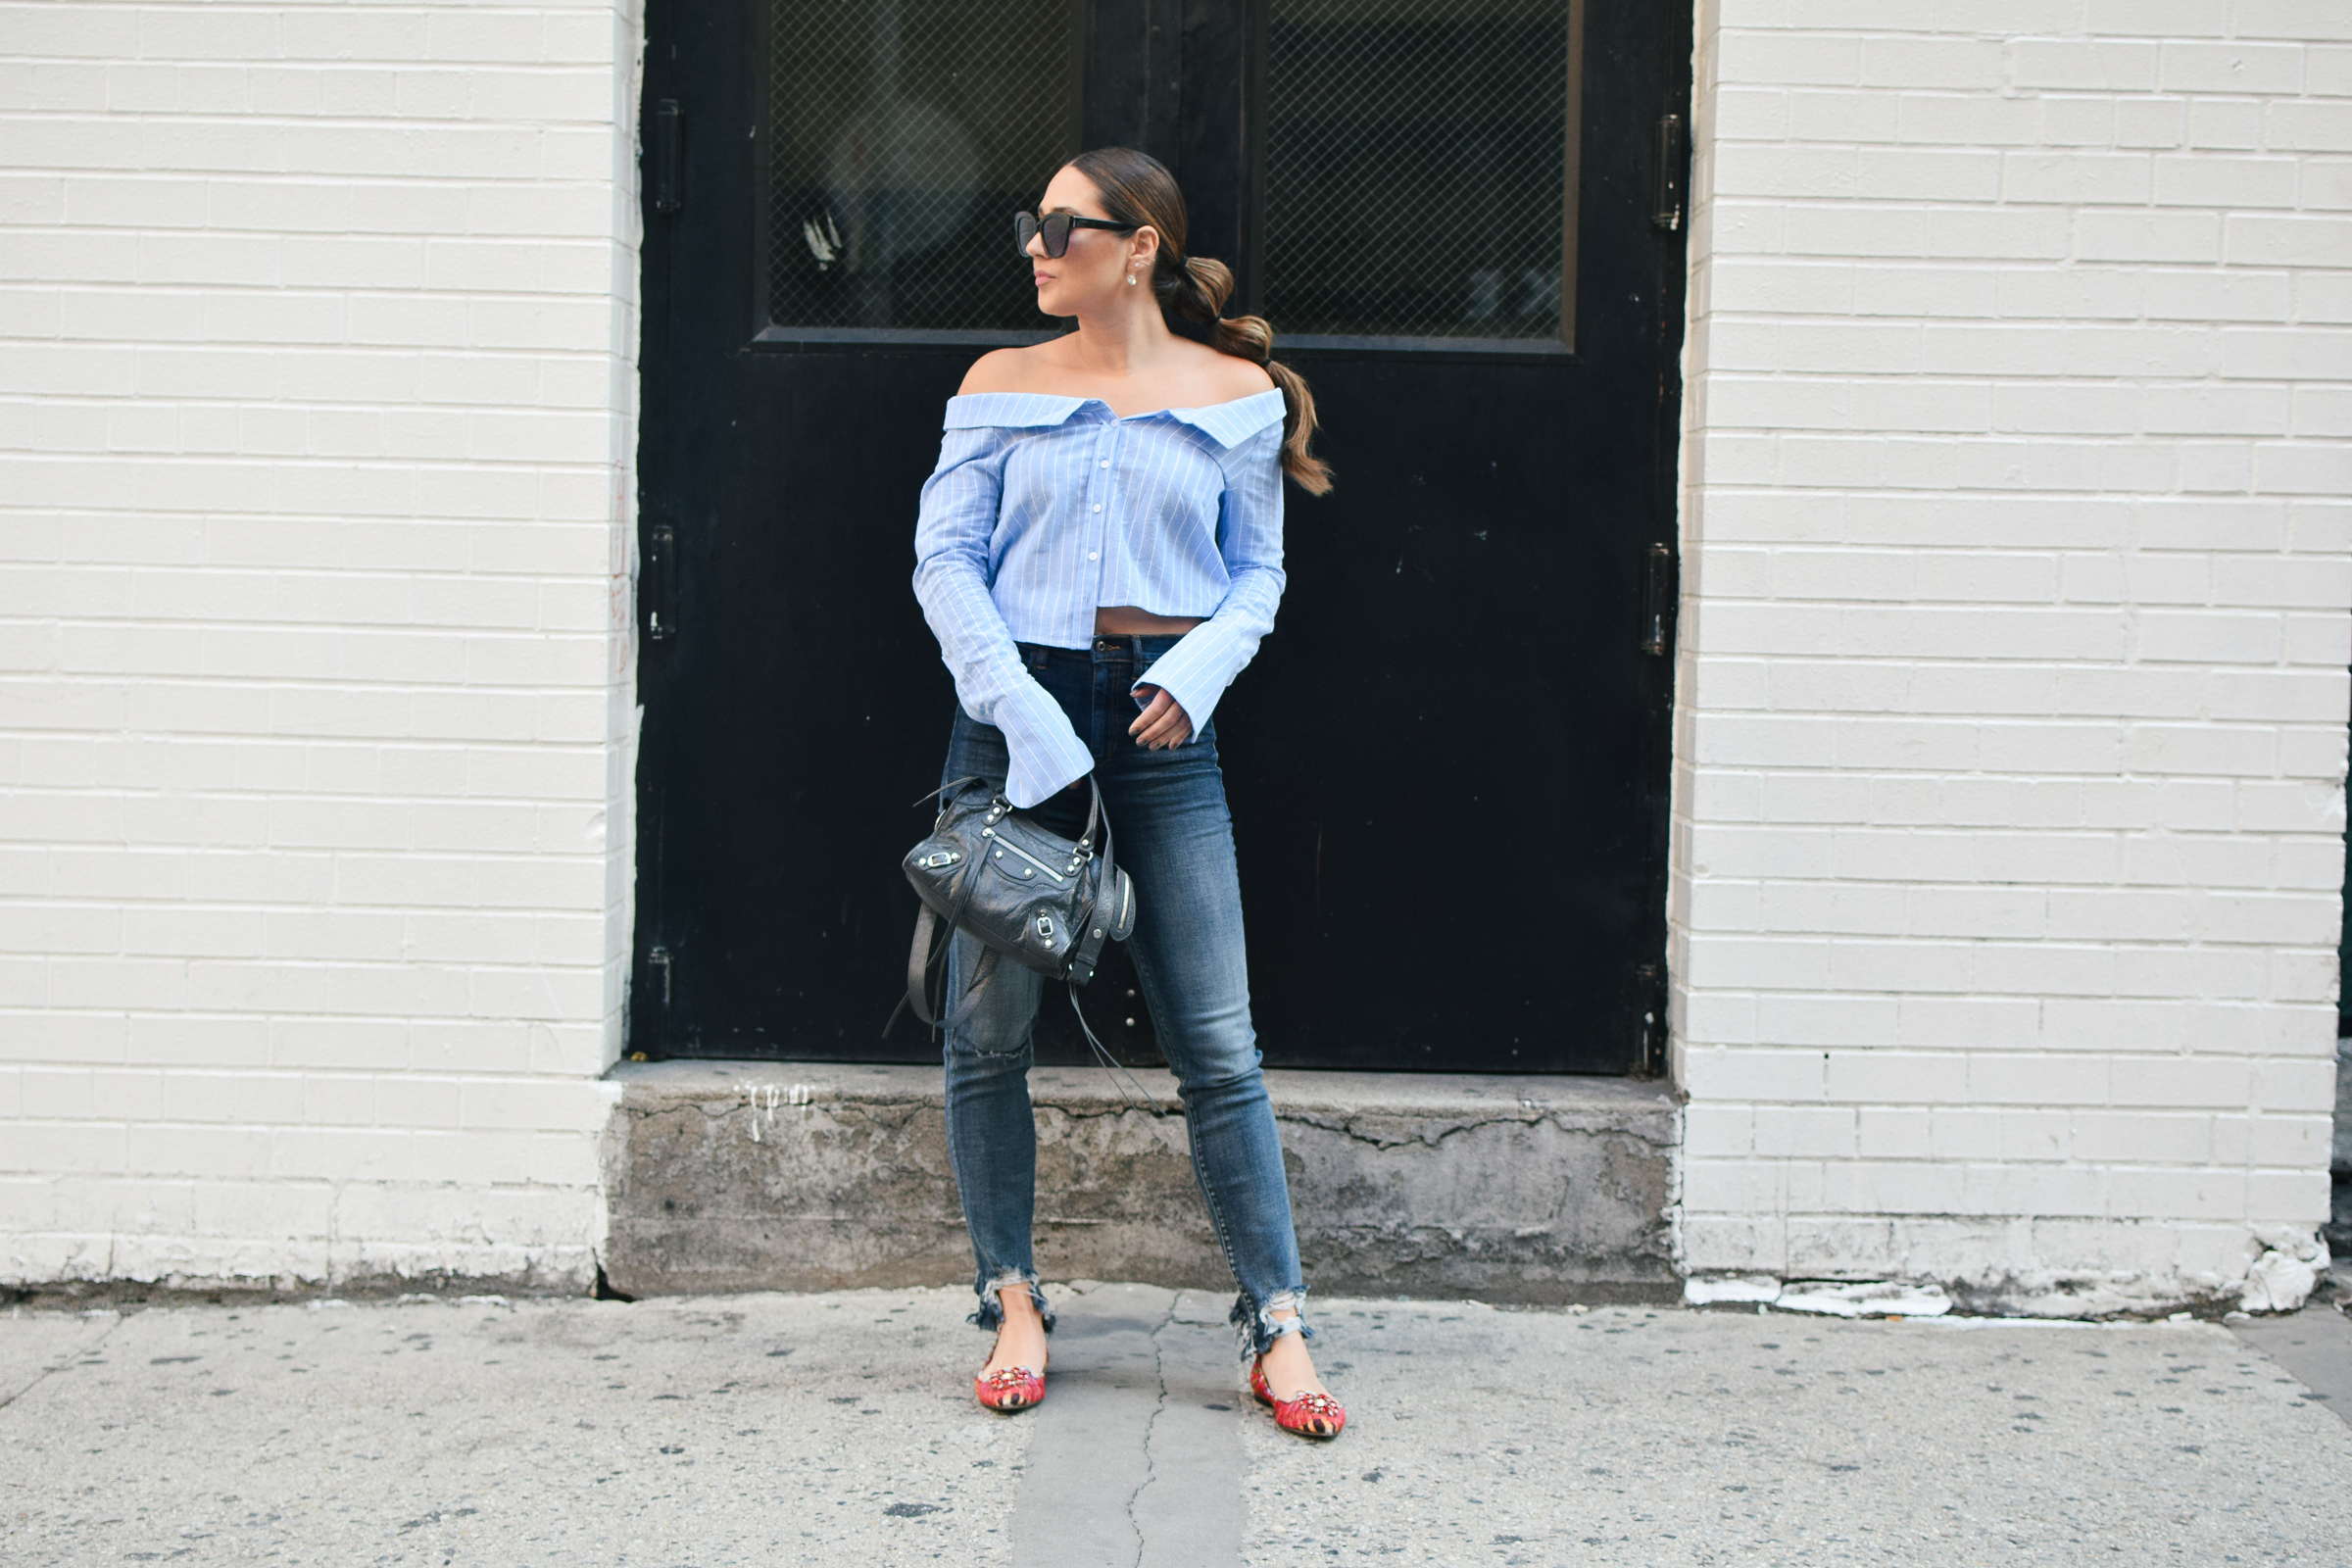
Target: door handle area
<point x="658" y="583"/>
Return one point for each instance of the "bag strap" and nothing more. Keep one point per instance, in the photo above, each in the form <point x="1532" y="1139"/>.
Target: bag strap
<point x="1149" y="1105"/>
<point x="922" y="959"/>
<point x="927" y="960"/>
<point x="1091" y="938"/>
<point x="1088" y="953"/>
<point x="953" y="786"/>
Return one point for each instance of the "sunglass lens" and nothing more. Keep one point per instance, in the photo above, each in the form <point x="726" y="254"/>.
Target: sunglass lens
<point x="1054" y="226"/>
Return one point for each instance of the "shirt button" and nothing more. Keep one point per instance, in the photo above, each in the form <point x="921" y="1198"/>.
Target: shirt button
<point x="1098" y="506"/>
<point x="1105" y="463"/>
<point x="1089" y="554"/>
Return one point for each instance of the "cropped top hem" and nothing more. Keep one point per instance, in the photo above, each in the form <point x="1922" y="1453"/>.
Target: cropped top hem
<point x="1044" y="508"/>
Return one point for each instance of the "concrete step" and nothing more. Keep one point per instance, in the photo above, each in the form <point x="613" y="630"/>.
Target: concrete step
<point x="804" y="1176"/>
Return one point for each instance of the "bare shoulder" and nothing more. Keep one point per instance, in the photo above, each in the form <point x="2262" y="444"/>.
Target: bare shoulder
<point x="1007" y="370"/>
<point x="997" y="371"/>
<point x="1229" y="376"/>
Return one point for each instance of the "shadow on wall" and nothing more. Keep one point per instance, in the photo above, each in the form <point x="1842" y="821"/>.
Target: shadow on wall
<point x="2338" y="1234"/>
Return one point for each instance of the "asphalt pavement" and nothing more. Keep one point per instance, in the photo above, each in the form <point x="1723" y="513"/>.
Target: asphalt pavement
<point x="839" y="1429"/>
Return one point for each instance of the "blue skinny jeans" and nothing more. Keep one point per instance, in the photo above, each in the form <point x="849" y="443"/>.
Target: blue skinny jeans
<point x="1174" y="836"/>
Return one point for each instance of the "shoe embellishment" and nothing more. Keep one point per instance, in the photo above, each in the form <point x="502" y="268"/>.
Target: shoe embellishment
<point x="1309" y="1415"/>
<point x="1008" y="1389"/>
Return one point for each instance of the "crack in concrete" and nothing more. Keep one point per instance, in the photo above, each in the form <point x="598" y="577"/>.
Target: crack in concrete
<point x="1352" y="1126"/>
<point x="48" y="1372"/>
<point x="1159" y="1406"/>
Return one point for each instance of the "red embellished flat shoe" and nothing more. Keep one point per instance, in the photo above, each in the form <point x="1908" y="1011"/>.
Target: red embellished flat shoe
<point x="1310" y="1415"/>
<point x="1008" y="1389"/>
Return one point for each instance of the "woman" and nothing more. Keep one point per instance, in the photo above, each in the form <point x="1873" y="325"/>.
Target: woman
<point x="1099" y="551"/>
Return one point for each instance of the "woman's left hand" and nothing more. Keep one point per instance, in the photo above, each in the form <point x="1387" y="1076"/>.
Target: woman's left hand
<point x="1163" y="722"/>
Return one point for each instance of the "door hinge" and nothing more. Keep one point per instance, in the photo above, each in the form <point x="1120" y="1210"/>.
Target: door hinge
<point x="1658" y="599"/>
<point x="1650" y="1044"/>
<point x="666" y="157"/>
<point x="658" y="959"/>
<point x="657" y="584"/>
<point x="1667" y="175"/>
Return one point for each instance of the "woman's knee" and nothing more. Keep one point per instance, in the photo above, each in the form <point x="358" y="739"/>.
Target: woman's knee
<point x="1224" y="1070"/>
<point x="1213" y="1050"/>
<point x="997" y="1049"/>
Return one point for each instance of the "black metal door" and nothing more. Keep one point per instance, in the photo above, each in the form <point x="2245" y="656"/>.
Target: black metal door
<point x="1449" y="765"/>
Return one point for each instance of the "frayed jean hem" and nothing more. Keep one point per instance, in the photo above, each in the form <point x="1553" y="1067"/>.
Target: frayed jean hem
<point x="989" y="1314"/>
<point x="1256" y="1326"/>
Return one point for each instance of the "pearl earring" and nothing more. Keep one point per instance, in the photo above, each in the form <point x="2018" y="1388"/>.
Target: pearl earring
<point x="1131" y="280"/>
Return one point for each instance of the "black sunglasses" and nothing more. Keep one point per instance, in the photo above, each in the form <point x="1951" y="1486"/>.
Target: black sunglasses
<point x="1056" y="227"/>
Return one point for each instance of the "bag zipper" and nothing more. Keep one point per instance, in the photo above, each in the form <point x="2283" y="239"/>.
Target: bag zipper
<point x="990" y="833"/>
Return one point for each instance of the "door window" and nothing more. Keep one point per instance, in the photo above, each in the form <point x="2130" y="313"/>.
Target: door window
<point x="1420" y="158"/>
<point x="900" y="136"/>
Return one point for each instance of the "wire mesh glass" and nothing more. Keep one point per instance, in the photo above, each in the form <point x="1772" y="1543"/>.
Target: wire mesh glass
<point x="1415" y="167"/>
<point x="901" y="135"/>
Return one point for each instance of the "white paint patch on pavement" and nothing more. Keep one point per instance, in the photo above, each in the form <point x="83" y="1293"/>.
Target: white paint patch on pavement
<point x="1871" y="1299"/>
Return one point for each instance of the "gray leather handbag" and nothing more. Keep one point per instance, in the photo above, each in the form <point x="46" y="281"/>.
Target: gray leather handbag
<point x="1027" y="893"/>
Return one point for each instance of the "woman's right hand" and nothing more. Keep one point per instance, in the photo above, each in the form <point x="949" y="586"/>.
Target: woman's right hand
<point x="1163" y="722"/>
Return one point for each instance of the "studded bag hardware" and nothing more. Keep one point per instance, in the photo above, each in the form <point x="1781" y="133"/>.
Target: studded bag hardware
<point x="1029" y="895"/>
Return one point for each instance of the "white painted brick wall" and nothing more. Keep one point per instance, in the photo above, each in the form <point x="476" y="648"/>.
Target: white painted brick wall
<point x="316" y="405"/>
<point x="2010" y="765"/>
<point x="2008" y="771"/>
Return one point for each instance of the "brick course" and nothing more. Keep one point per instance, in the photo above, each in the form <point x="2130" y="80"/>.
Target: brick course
<point x="2010" y="755"/>
<point x="317" y="403"/>
<point x="2010" y="773"/>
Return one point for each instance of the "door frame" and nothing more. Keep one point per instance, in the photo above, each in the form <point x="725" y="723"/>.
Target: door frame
<point x="1140" y="58"/>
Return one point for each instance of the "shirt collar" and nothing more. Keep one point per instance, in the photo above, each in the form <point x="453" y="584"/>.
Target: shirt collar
<point x="1225" y="423"/>
<point x="986" y="410"/>
<point x="1229" y="425"/>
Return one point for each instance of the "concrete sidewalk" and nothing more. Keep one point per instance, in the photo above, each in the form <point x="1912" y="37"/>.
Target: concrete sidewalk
<point x="837" y="1429"/>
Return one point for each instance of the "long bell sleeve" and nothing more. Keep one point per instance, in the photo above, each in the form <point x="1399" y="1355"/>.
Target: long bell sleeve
<point x="1207" y="658"/>
<point x="954" y="569"/>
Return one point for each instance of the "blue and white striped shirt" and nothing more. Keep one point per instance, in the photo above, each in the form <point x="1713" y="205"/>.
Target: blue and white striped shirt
<point x="1044" y="508"/>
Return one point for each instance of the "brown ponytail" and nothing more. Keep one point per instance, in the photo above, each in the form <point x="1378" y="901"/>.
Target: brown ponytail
<point x="1136" y="189"/>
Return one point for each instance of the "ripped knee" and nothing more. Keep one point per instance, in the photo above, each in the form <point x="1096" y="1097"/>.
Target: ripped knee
<point x="995" y="1018"/>
<point x="997" y="1047"/>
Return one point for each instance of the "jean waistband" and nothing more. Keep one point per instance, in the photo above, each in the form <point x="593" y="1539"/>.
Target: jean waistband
<point x="1103" y="650"/>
